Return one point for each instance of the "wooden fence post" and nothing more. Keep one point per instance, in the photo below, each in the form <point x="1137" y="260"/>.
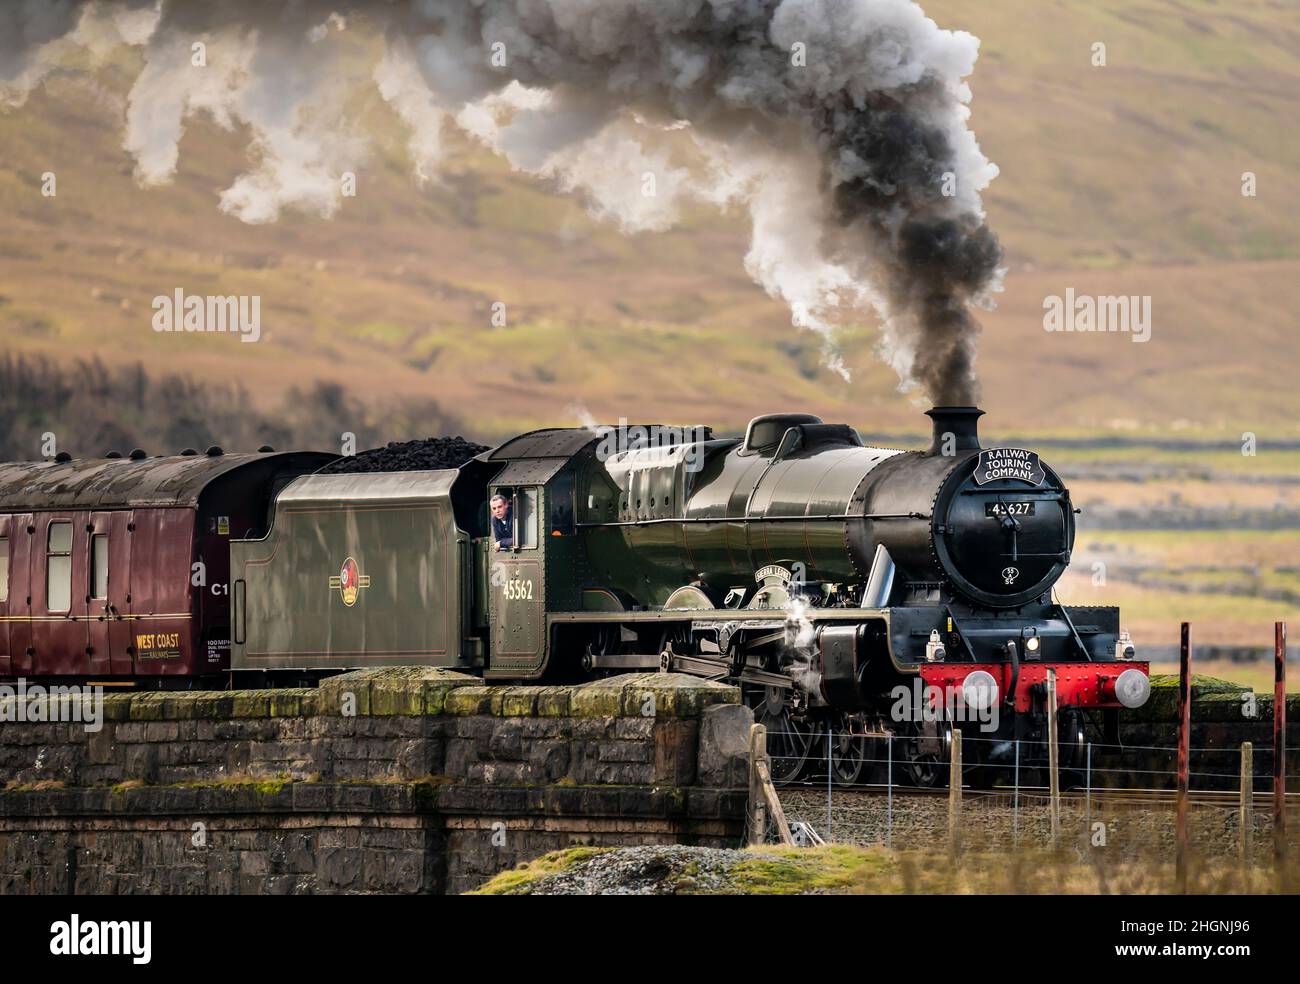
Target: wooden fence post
<point x="763" y="801"/>
<point x="1053" y="759"/>
<point x="1184" y="749"/>
<point x="1247" y="801"/>
<point x="1279" y="744"/>
<point x="757" y="800"/>
<point x="954" y="795"/>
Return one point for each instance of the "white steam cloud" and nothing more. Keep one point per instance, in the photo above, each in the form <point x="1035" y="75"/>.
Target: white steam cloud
<point x="840" y="125"/>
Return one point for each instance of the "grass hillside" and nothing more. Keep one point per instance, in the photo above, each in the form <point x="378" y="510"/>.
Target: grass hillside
<point x="1122" y="179"/>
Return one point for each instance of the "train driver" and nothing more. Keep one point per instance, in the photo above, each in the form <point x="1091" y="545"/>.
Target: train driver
<point x="502" y="531"/>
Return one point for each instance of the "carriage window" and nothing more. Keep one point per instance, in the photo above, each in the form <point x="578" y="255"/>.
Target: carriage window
<point x="58" y="568"/>
<point x="4" y="568"/>
<point x="99" y="566"/>
<point x="527" y="499"/>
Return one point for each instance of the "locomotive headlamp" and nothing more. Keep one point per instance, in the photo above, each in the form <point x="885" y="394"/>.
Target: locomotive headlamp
<point x="1124" y="646"/>
<point x="1131" y="688"/>
<point x="980" y="690"/>
<point x="934" y="650"/>
<point x="1032" y="643"/>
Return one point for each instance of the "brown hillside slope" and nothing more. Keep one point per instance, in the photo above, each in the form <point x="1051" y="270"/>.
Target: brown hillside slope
<point x="1122" y="179"/>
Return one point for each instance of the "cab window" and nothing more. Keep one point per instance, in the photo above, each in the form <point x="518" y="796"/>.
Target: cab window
<point x="514" y="518"/>
<point x="527" y="504"/>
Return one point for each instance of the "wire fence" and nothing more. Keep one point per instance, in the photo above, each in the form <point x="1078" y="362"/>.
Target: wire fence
<point x="1121" y="799"/>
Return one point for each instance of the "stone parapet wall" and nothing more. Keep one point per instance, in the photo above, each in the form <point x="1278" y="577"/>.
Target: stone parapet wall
<point x="1223" y="715"/>
<point x="397" y="780"/>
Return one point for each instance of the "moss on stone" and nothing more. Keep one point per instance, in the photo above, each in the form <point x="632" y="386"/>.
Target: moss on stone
<point x="1211" y="700"/>
<point x="333" y="694"/>
<point x="38" y="786"/>
<point x="178" y="706"/>
<point x="285" y="703"/>
<point x="468" y="701"/>
<point x="1200" y="684"/>
<point x="520" y="877"/>
<point x="392" y="690"/>
<point x="251" y="704"/>
<point x="390" y="698"/>
<point x="212" y="706"/>
<point x="264" y="785"/>
<point x="518" y="701"/>
<point x="423" y="690"/>
<point x="436" y="692"/>
<point x="554" y="701"/>
<point x="676" y="695"/>
<point x="117" y="707"/>
<point x="603" y="698"/>
<point x="673" y="695"/>
<point x="147" y="707"/>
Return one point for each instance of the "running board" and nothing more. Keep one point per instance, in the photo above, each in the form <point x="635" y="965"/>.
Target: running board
<point x="622" y="661"/>
<point x="669" y="662"/>
<point x="717" y="669"/>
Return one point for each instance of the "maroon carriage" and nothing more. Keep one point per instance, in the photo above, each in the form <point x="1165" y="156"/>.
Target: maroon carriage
<point x="118" y="567"/>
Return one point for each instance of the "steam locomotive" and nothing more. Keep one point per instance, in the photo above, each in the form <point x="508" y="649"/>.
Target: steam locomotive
<point x="851" y="592"/>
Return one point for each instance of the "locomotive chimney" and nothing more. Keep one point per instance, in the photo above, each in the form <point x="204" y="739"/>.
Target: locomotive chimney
<point x="962" y="423"/>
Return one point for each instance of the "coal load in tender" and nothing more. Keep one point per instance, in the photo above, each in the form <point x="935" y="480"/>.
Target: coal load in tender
<point x="398" y="456"/>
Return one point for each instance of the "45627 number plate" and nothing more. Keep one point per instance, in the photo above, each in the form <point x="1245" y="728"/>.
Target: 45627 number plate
<point x="1008" y="509"/>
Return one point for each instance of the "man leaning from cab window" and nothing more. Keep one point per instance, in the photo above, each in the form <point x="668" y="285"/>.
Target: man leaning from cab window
<point x="502" y="534"/>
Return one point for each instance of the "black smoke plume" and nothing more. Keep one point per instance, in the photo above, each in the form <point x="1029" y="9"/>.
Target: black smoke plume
<point x="839" y="124"/>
